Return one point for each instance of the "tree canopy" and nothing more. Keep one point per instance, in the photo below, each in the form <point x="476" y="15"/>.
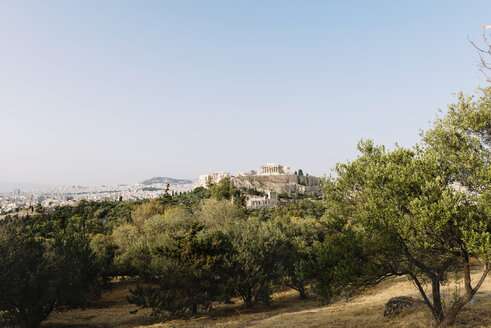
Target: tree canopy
<point x="422" y="212"/>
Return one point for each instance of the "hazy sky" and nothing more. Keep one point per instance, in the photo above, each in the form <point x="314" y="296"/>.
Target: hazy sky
<point x="99" y="92"/>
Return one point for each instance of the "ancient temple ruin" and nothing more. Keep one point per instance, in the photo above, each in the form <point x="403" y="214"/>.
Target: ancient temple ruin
<point x="268" y="201"/>
<point x="274" y="169"/>
<point x="206" y="179"/>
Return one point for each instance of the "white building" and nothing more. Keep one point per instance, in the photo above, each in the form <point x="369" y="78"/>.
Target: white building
<point x="271" y="200"/>
<point x="206" y="179"/>
<point x="246" y="174"/>
<point x="274" y="169"/>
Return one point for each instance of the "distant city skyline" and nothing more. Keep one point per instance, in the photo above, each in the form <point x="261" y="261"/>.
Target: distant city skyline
<point x="115" y="92"/>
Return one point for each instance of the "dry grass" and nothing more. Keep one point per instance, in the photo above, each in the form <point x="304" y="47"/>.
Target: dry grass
<point x="111" y="310"/>
<point x="364" y="311"/>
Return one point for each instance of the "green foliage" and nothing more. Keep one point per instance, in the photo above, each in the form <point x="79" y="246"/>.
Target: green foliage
<point x="302" y="235"/>
<point x="37" y="274"/>
<point x="262" y="214"/>
<point x="190" y="271"/>
<point x="421" y="209"/>
<point x="260" y="249"/>
<point x="255" y="192"/>
<point x="224" y="189"/>
<point x="104" y="248"/>
<point x="305" y="208"/>
<point x="191" y="200"/>
<point x="283" y="195"/>
<point x="219" y="213"/>
<point x="135" y="243"/>
<point x="145" y="211"/>
<point x="343" y="264"/>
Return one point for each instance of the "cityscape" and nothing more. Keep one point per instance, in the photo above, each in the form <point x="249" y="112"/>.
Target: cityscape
<point x="71" y="195"/>
<point x="271" y="180"/>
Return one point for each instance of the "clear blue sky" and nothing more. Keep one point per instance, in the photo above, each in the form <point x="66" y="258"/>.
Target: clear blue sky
<point x="99" y="92"/>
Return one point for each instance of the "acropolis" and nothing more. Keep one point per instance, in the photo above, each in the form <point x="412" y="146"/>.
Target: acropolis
<point x="266" y="169"/>
<point x="272" y="180"/>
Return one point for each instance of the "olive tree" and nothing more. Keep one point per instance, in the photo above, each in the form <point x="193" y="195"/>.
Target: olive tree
<point x="188" y="272"/>
<point x="484" y="52"/>
<point x="37" y="274"/>
<point x="422" y="212"/>
<point x="258" y="258"/>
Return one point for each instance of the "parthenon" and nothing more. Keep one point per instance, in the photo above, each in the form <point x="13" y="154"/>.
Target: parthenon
<point x="274" y="169"/>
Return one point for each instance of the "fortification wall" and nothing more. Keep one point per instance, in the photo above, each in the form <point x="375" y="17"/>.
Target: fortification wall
<point x="291" y="184"/>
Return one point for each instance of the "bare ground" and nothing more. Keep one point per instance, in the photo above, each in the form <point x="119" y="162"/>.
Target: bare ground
<point x="364" y="311"/>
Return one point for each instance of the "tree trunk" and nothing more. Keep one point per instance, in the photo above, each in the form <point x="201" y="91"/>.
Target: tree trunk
<point x="437" y="300"/>
<point x="451" y="314"/>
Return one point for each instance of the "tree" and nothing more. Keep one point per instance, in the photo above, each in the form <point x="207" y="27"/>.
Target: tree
<point x="104" y="248"/>
<point x="484" y="52"/>
<point x="37" y="274"/>
<point x="260" y="249"/>
<point x="145" y="211"/>
<point x="190" y="272"/>
<point x="423" y="212"/>
<point x="302" y="235"/>
<point x="166" y="197"/>
<point x="219" y="213"/>
<point x="224" y="189"/>
<point x="345" y="263"/>
<point x="191" y="200"/>
<point x="461" y="142"/>
<point x="135" y="241"/>
<point x="417" y="224"/>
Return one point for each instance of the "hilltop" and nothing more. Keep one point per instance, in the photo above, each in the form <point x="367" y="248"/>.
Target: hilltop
<point x="165" y="180"/>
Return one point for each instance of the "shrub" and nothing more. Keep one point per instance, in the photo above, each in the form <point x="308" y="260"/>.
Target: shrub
<point x="37" y="275"/>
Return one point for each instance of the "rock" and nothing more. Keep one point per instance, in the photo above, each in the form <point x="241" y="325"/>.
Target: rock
<point x="289" y="183"/>
<point x="400" y="304"/>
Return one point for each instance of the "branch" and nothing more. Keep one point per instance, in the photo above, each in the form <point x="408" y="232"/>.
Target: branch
<point x="484" y="65"/>
<point x="483" y="276"/>
<point x="422" y="292"/>
<point x="417" y="263"/>
<point x="467" y="272"/>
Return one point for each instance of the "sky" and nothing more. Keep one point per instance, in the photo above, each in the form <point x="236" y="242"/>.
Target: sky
<point x="108" y="92"/>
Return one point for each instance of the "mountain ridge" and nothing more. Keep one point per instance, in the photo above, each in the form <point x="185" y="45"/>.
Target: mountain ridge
<point x="165" y="180"/>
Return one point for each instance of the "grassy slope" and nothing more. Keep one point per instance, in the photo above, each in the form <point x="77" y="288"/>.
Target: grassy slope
<point x="364" y="311"/>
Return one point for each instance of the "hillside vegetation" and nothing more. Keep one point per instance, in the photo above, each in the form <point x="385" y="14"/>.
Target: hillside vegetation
<point x="393" y="222"/>
<point x="363" y="311"/>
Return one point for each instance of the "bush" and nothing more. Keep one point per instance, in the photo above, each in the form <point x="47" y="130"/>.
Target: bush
<point x="260" y="249"/>
<point x="190" y="272"/>
<point x="37" y="274"/>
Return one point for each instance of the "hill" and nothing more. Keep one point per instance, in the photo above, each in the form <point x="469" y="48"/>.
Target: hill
<point x="291" y="184"/>
<point x="165" y="180"/>
<point x="364" y="311"/>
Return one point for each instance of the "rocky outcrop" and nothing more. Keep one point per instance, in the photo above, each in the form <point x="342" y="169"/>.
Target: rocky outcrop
<point x="291" y="184"/>
<point x="401" y="305"/>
